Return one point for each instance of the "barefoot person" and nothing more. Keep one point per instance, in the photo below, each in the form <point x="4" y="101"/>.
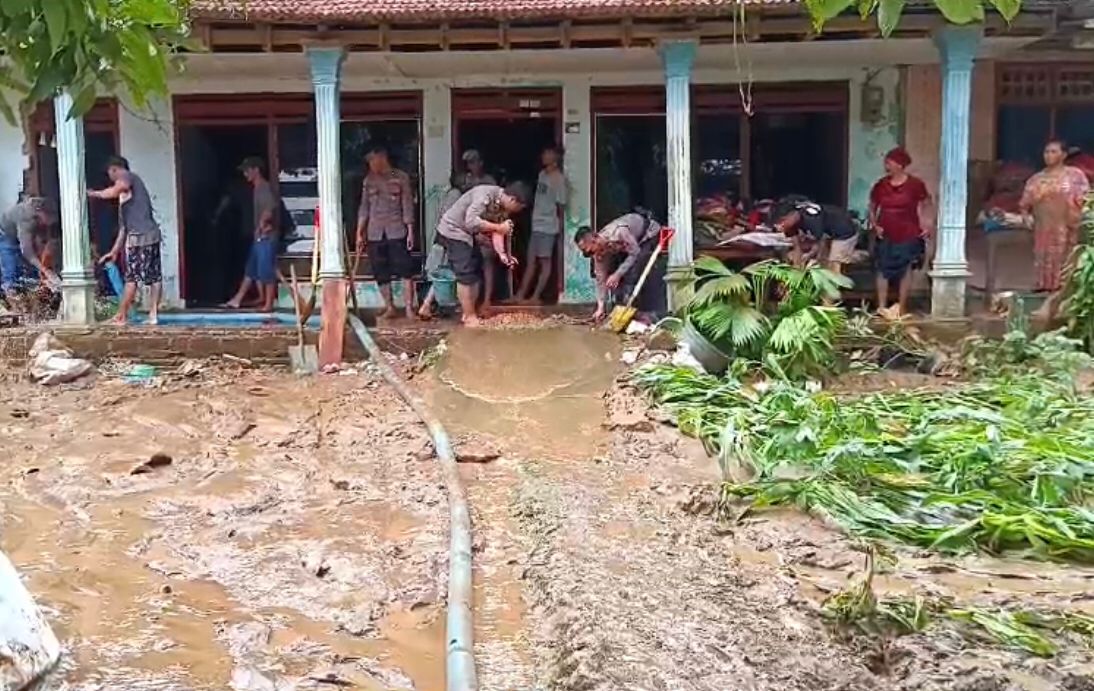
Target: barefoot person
<point x="830" y="228"/>
<point x="548" y="213"/>
<point x="617" y="251"/>
<point x="261" y="271"/>
<point x="138" y="234"/>
<point x="475" y="174"/>
<point x="18" y="227"/>
<point x="900" y="207"/>
<point x="481" y="211"/>
<point x="1053" y="199"/>
<point x="385" y="226"/>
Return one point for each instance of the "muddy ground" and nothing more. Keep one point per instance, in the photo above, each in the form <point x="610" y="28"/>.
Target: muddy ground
<point x="246" y="529"/>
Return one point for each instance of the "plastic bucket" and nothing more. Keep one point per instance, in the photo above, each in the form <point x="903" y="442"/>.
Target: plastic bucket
<point x="444" y="287"/>
<point x="709" y="356"/>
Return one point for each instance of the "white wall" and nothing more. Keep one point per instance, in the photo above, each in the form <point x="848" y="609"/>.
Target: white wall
<point x="148" y="141"/>
<point x="12" y="163"/>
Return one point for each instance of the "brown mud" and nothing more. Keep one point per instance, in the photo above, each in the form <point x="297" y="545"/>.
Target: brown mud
<point x="297" y="539"/>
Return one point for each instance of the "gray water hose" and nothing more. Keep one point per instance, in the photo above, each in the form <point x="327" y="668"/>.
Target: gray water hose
<point x="460" y="656"/>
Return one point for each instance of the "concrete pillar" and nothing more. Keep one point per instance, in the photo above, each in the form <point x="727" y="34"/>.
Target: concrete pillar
<point x="437" y="152"/>
<point x="326" y="71"/>
<point x="678" y="57"/>
<point x="578" y="286"/>
<point x="950" y="271"/>
<point x="77" y="273"/>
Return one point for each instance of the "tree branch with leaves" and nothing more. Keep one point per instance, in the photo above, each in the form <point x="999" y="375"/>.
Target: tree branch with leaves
<point x="888" y="12"/>
<point x="88" y="47"/>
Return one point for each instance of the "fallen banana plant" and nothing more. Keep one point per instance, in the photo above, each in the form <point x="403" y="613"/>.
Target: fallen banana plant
<point x="1002" y="465"/>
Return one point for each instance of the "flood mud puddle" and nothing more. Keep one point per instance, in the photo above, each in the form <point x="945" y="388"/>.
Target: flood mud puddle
<point x="132" y="570"/>
<point x="538" y="396"/>
<point x="538" y="392"/>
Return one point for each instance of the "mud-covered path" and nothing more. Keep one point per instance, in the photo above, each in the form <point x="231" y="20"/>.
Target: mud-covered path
<point x="297" y="539"/>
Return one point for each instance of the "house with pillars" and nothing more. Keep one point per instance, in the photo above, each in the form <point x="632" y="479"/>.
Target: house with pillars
<point x="657" y="104"/>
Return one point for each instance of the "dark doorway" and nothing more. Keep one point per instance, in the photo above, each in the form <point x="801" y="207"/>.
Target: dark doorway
<point x="217" y="207"/>
<point x="630" y="166"/>
<point x="798" y="153"/>
<point x="511" y="149"/>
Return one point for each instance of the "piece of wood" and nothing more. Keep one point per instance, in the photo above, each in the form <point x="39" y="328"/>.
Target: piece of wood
<point x="332" y="333"/>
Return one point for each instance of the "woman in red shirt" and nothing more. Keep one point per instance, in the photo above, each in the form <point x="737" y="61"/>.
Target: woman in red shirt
<point x="898" y="203"/>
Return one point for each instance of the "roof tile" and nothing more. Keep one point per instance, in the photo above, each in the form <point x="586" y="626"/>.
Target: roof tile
<point x="367" y="11"/>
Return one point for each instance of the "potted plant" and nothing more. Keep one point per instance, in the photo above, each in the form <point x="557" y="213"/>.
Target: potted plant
<point x="770" y="312"/>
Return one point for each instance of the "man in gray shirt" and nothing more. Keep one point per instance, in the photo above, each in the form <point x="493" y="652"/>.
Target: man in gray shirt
<point x="18" y="226"/>
<point x="615" y="250"/>
<point x="483" y="210"/>
<point x="547" y="219"/>
<point x="261" y="269"/>
<point x="138" y="234"/>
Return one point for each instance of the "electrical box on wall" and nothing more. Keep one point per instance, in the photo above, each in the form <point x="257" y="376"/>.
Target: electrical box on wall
<point x="873" y="104"/>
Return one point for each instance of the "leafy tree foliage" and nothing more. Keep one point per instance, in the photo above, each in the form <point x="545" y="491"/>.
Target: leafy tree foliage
<point x="87" y="46"/>
<point x="888" y="12"/>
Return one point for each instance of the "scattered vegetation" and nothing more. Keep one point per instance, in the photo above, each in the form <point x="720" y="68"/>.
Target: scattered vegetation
<point x="1001" y="465"/>
<point x="859" y="608"/>
<point x="770" y="313"/>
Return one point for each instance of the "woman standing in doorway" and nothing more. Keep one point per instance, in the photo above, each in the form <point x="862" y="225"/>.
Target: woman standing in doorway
<point x="899" y="203"/>
<point x="1054" y="199"/>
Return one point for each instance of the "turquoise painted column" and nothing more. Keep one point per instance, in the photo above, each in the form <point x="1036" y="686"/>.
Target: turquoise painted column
<point x="77" y="274"/>
<point x="678" y="57"/>
<point x="326" y="72"/>
<point x="950" y="271"/>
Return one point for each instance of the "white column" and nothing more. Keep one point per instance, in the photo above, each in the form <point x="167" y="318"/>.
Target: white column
<point x="77" y="274"/>
<point x="437" y="156"/>
<point x="578" y="285"/>
<point x="949" y="272"/>
<point x="678" y="58"/>
<point x="326" y="71"/>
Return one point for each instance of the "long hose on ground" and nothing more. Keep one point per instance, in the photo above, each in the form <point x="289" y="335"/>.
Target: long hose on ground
<point x="460" y="658"/>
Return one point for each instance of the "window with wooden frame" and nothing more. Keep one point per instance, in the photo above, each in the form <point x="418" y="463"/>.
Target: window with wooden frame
<point x="1038" y="102"/>
<point x="100" y="143"/>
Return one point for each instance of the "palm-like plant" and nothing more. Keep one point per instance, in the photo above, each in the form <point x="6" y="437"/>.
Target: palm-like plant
<point x="770" y="312"/>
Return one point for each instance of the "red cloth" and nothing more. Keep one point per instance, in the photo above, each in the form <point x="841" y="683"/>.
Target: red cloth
<point x="899" y="156"/>
<point x="898" y="207"/>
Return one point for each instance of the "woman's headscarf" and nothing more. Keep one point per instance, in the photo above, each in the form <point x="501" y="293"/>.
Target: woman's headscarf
<point x="899" y="156"/>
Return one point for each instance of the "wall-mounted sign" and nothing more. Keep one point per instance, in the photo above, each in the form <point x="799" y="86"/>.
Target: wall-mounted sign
<point x="573" y="128"/>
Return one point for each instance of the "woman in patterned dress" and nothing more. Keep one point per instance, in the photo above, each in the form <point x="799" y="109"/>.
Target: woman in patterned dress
<point x="1054" y="199"/>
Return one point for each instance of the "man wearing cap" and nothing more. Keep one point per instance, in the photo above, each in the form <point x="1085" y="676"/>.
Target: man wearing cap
<point x="261" y="270"/>
<point x="138" y="233"/>
<point x="475" y="170"/>
<point x="482" y="211"/>
<point x="18" y="226"/>
<point x="615" y="250"/>
<point x="474" y="175"/>
<point x="385" y="225"/>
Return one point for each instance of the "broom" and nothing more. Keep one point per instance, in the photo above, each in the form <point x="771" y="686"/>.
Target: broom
<point x="622" y="315"/>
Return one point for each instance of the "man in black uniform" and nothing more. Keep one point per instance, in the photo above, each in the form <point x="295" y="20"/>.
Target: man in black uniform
<point x="831" y="229"/>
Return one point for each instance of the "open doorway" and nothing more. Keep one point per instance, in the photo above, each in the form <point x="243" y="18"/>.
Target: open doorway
<point x="510" y="129"/>
<point x="217" y="209"/>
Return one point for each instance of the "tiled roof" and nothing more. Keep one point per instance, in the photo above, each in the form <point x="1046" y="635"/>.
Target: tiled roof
<point x="367" y="11"/>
